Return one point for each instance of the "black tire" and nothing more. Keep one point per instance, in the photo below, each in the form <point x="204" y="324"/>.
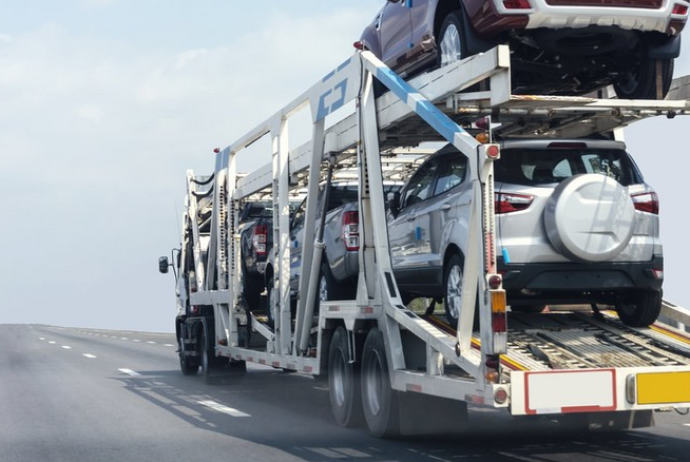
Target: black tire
<point x="344" y="388"/>
<point x="251" y="289"/>
<point x="187" y="366"/>
<point x="452" y="292"/>
<point x="451" y="41"/>
<point x="208" y="361"/>
<point x="379" y="401"/>
<point x="270" y="303"/>
<point x="641" y="81"/>
<point x="641" y="310"/>
<point x="328" y="288"/>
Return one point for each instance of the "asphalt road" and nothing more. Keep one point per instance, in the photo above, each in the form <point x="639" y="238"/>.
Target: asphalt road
<point x="81" y="395"/>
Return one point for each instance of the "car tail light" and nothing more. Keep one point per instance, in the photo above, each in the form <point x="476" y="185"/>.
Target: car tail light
<point x="259" y="237"/>
<point x="351" y="230"/>
<point x="506" y="203"/>
<point x="517" y="4"/>
<point x="646" y="202"/>
<point x="679" y="9"/>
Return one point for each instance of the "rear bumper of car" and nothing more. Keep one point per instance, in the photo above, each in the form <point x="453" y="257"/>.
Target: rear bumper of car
<point x="646" y="16"/>
<point x="578" y="281"/>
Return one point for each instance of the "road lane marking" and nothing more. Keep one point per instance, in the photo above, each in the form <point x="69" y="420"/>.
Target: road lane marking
<point x="130" y="372"/>
<point x="224" y="409"/>
<point x="66" y="347"/>
<point x="41" y="338"/>
<point x="90" y="356"/>
<point x="168" y="345"/>
<point x="124" y="338"/>
<point x="136" y="340"/>
<point x="52" y="342"/>
<point x="151" y="343"/>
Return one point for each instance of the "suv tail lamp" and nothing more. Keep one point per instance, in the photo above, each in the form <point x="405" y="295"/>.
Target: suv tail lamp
<point x="350" y="233"/>
<point x="259" y="237"/>
<point x="646" y="202"/>
<point x="507" y="203"/>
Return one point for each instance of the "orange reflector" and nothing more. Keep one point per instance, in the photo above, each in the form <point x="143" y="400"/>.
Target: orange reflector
<point x="482" y="137"/>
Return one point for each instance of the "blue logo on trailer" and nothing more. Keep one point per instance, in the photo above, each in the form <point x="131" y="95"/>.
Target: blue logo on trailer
<point x="338" y="91"/>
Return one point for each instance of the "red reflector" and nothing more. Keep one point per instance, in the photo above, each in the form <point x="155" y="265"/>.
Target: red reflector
<point x="493" y="152"/>
<point x="494" y="281"/>
<point x="359" y="44"/>
<point x="680" y="9"/>
<point x="499" y="322"/>
<point x="517" y="4"/>
<point x="646" y="202"/>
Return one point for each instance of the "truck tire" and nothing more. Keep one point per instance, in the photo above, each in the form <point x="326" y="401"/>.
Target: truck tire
<point x="187" y="366"/>
<point x="379" y="400"/>
<point x="640" y="310"/>
<point x="344" y="388"/>
<point x="641" y="81"/>
<point x="451" y="43"/>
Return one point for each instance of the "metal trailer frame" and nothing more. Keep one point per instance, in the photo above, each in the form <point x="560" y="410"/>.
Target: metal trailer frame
<point x="435" y="99"/>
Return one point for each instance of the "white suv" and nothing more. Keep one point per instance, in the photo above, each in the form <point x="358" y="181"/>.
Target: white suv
<point x="576" y="223"/>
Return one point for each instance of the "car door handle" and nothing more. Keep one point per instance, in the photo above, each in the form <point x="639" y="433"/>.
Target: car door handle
<point x="445" y="207"/>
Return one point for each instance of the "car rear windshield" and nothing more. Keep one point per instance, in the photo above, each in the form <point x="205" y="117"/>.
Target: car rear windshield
<point x="542" y="166"/>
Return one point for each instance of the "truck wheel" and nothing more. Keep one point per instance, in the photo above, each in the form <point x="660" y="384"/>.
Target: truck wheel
<point x="642" y="309"/>
<point x="641" y="81"/>
<point x="451" y="42"/>
<point x="344" y="386"/>
<point x="329" y="289"/>
<point x="252" y="288"/>
<point x="270" y="303"/>
<point x="379" y="400"/>
<point x="452" y="282"/>
<point x="208" y="361"/>
<point x="186" y="366"/>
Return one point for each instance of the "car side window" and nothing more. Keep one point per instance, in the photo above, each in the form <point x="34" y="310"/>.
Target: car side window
<point x="452" y="173"/>
<point x="421" y="185"/>
<point x="298" y="217"/>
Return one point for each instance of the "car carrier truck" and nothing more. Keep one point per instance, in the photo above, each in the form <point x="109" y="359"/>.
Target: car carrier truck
<point x="388" y="364"/>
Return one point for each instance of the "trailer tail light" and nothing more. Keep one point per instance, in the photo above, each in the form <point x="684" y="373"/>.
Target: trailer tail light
<point x="507" y="203"/>
<point x="350" y="233"/>
<point x="517" y="4"/>
<point x="499" y="319"/>
<point x="646" y="202"/>
<point x="259" y="238"/>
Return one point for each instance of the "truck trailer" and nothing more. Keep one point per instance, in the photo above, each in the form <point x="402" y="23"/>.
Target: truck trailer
<point x="389" y="362"/>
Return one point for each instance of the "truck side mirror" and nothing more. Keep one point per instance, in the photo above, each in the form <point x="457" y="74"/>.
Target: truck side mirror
<point x="394" y="203"/>
<point x="163" y="264"/>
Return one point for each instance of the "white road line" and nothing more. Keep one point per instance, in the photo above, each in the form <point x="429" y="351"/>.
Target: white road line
<point x="124" y="338"/>
<point x="130" y="372"/>
<point x="90" y="356"/>
<point x="136" y="340"/>
<point x="41" y="338"/>
<point x="168" y="345"/>
<point x="52" y="342"/>
<point x="687" y="425"/>
<point x="151" y="343"/>
<point x="66" y="347"/>
<point x="224" y="409"/>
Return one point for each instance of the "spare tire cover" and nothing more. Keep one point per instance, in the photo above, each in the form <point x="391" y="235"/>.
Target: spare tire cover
<point x="589" y="218"/>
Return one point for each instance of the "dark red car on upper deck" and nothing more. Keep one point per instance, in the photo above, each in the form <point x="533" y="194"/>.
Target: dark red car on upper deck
<point x="559" y="47"/>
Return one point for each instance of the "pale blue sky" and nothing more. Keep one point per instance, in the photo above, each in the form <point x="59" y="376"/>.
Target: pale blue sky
<point x="104" y="104"/>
